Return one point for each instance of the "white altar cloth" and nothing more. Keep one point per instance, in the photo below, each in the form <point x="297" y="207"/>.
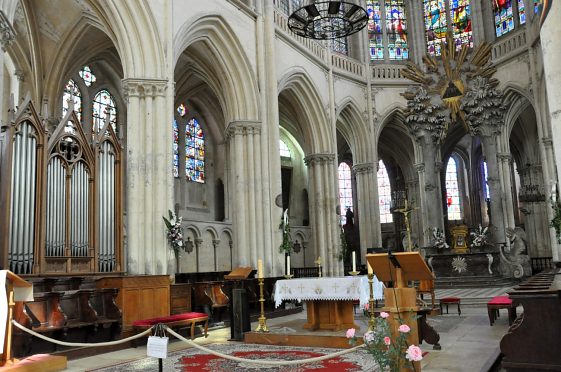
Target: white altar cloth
<point x="336" y="288"/>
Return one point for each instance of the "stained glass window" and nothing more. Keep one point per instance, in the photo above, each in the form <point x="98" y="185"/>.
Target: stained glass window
<point x="87" y="75"/>
<point x="175" y="149"/>
<point x="102" y="104"/>
<point x="521" y="12"/>
<point x="384" y="193"/>
<point x="296" y="4"/>
<point x="396" y="27"/>
<point x="345" y="190"/>
<point x="485" y="181"/>
<point x="72" y="94"/>
<point x="437" y="21"/>
<point x="194" y="152"/>
<point x="284" y="6"/>
<point x="339" y="45"/>
<point x="284" y="151"/>
<point x="181" y="110"/>
<point x="504" y="19"/>
<point x="392" y="13"/>
<point x="453" y="191"/>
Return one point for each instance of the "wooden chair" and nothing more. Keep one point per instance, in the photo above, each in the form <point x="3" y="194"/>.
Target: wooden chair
<point x="426" y="286"/>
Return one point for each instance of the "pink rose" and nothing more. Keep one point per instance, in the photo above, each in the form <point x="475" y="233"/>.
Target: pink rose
<point x="350" y="333"/>
<point x="369" y="337"/>
<point x="404" y="328"/>
<point x="414" y="353"/>
<point x="366" y="306"/>
<point x="387" y="341"/>
<point x="384" y="315"/>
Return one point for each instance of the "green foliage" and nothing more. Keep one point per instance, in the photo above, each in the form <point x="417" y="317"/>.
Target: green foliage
<point x="286" y="245"/>
<point x="556" y="220"/>
<point x="344" y="246"/>
<point x="174" y="232"/>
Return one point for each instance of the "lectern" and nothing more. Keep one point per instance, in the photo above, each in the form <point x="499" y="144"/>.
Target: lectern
<point x="401" y="300"/>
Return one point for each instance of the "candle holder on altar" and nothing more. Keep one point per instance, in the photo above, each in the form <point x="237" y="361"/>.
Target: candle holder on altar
<point x="318" y="262"/>
<point x="289" y="276"/>
<point x="354" y="273"/>
<point x="262" y="327"/>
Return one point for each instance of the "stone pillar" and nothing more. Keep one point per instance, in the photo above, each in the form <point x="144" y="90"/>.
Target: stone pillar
<point x="504" y="162"/>
<point x="415" y="220"/>
<point x="149" y="179"/>
<point x="323" y="214"/>
<point x="551" y="49"/>
<point x="368" y="207"/>
<point x="497" y="224"/>
<point x="429" y="185"/>
<point x="244" y="139"/>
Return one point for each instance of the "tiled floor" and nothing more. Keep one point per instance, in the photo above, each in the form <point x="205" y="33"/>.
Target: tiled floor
<point x="468" y="342"/>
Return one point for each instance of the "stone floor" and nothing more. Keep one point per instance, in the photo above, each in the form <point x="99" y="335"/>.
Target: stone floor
<point x="468" y="342"/>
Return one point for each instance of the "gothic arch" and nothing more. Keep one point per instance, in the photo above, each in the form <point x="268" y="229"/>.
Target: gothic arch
<point x="352" y="126"/>
<point x="299" y="91"/>
<point x="228" y="72"/>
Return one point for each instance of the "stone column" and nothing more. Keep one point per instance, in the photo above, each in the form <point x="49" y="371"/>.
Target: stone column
<point x="323" y="212"/>
<point x="368" y="206"/>
<point x="244" y="139"/>
<point x="504" y="160"/>
<point x="429" y="185"/>
<point x="551" y="49"/>
<point x="149" y="180"/>
<point x="497" y="223"/>
<point x="415" y="220"/>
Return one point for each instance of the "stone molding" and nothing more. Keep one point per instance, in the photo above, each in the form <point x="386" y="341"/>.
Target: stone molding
<point x="144" y="87"/>
<point x="420" y="167"/>
<point x="316" y="159"/>
<point x="242" y="128"/>
<point x="364" y="168"/>
<point x="504" y="156"/>
<point x="7" y="33"/>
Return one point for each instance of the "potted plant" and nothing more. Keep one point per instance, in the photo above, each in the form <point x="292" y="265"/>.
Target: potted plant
<point x="479" y="238"/>
<point x="175" y="235"/>
<point x="439" y="240"/>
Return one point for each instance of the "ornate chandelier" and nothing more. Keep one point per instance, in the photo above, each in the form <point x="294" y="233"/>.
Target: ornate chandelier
<point x="327" y="19"/>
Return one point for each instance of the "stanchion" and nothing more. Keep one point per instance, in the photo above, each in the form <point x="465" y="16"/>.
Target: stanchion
<point x="262" y="320"/>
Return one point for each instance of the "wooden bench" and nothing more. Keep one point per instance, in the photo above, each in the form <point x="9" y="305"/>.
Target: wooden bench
<point x="501" y="302"/>
<point x="450" y="301"/>
<point x="175" y="321"/>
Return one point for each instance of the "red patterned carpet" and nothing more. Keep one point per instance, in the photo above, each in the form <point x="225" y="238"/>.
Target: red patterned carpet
<point x="193" y="360"/>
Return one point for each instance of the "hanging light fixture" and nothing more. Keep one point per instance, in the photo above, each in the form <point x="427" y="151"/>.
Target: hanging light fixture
<point x="327" y="19"/>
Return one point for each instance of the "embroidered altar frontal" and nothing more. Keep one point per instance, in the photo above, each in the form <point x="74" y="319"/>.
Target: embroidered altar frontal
<point x="338" y="288"/>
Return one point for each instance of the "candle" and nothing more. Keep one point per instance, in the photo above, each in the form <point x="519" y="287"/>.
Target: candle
<point x="354" y="261"/>
<point x="287" y="265"/>
<point x="370" y="271"/>
<point x="260" y="268"/>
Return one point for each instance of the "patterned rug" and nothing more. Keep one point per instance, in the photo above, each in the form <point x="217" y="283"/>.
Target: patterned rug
<point x="193" y="360"/>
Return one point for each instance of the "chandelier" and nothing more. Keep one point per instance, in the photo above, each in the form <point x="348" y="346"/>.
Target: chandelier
<point x="327" y="19"/>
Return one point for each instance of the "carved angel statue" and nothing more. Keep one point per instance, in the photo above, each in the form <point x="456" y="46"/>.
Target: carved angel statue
<point x="438" y="239"/>
<point x="479" y="237"/>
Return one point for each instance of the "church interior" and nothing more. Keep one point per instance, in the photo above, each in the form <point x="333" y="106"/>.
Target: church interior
<point x="220" y="165"/>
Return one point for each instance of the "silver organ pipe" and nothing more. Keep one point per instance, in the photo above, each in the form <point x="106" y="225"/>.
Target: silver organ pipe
<point x="56" y="197"/>
<point x="106" y="197"/>
<point x="79" y="211"/>
<point x="21" y="252"/>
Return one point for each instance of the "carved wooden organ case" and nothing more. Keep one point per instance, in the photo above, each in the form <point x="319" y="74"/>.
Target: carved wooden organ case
<point x="60" y="197"/>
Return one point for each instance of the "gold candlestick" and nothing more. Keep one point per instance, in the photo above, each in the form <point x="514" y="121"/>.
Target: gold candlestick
<point x="262" y="327"/>
<point x="318" y="262"/>
<point x="406" y="210"/>
<point x="354" y="273"/>
<point x="372" y="320"/>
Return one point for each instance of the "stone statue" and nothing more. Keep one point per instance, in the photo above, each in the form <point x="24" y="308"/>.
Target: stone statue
<point x="515" y="261"/>
<point x="350" y="217"/>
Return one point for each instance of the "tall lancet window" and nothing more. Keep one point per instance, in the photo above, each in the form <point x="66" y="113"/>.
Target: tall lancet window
<point x="345" y="190"/>
<point x="387" y="30"/>
<point x="194" y="152"/>
<point x="453" y="191"/>
<point x="384" y="193"/>
<point x="72" y="94"/>
<point x="284" y="151"/>
<point x="104" y="103"/>
<point x="486" y="181"/>
<point x="442" y="16"/>
<point x="505" y="17"/>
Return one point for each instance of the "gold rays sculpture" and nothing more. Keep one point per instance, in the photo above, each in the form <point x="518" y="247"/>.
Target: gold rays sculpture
<point x="449" y="75"/>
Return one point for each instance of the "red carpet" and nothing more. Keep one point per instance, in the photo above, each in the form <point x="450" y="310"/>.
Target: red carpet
<point x="193" y="360"/>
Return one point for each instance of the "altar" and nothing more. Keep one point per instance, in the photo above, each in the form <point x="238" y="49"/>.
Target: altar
<point x="329" y="301"/>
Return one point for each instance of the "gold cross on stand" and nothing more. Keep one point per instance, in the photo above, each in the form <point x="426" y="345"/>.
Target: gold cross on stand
<point x="406" y="210"/>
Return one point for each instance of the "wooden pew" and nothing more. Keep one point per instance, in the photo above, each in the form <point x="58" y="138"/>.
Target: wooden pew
<point x="209" y="297"/>
<point x="532" y="342"/>
<point x="109" y="316"/>
<point x="81" y="318"/>
<point x="47" y="318"/>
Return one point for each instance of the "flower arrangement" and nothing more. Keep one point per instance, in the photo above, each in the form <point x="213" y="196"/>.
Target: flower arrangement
<point x="438" y="238"/>
<point x="174" y="232"/>
<point x="556" y="220"/>
<point x="286" y="245"/>
<point x="390" y="355"/>
<point x="479" y="238"/>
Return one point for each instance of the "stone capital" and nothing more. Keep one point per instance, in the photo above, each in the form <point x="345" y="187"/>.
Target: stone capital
<point x="321" y="158"/>
<point x="547" y="142"/>
<point x="504" y="156"/>
<point x="420" y="167"/>
<point x="144" y="87"/>
<point x="364" y="168"/>
<point x="242" y="128"/>
<point x="7" y="33"/>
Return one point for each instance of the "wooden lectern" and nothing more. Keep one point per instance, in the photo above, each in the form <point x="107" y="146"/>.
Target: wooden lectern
<point x="401" y="300"/>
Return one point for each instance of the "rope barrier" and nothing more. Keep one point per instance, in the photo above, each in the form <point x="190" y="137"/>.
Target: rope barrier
<point x="193" y="344"/>
<point x="81" y="344"/>
<point x="263" y="362"/>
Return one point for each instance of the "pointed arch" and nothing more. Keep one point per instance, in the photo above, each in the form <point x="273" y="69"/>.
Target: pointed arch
<point x="351" y="123"/>
<point x="302" y="94"/>
<point x="229" y="73"/>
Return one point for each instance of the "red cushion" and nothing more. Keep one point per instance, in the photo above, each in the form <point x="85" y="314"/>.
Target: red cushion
<point x="168" y="319"/>
<point x="450" y="299"/>
<point x="500" y="300"/>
